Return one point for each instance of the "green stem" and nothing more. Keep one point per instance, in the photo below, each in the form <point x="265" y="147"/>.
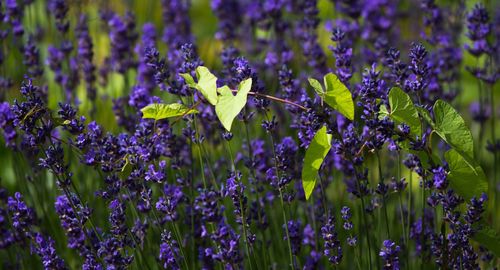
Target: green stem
<point x="365" y="220"/>
<point x="286" y="230"/>
<point x="381" y="180"/>
<point x="243" y="221"/>
<point x="423" y="224"/>
<point x="493" y="139"/>
<point x="290" y="253"/>
<point x="264" y="254"/>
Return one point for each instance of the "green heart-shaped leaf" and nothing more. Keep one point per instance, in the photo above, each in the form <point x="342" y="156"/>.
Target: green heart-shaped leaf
<point x="159" y="111"/>
<point x="229" y="105"/>
<point x="465" y="180"/>
<point x="316" y="85"/>
<point x="189" y="80"/>
<point x="315" y="154"/>
<point x="451" y="127"/>
<point x="338" y="96"/>
<point x="403" y="111"/>
<point x="207" y="84"/>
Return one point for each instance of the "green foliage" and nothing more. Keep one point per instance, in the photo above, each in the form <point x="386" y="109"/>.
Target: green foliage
<point x="451" y="127"/>
<point x="403" y="111"/>
<point x="466" y="177"/>
<point x="126" y="169"/>
<point x="425" y="115"/>
<point x="207" y="84"/>
<point x="229" y="105"/>
<point x="336" y="95"/>
<point x="159" y="111"/>
<point x="464" y="180"/>
<point x="489" y="239"/>
<point x="189" y="80"/>
<point x="316" y="85"/>
<point x="315" y="154"/>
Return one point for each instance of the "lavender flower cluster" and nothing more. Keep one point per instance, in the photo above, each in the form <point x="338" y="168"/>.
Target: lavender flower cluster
<point x="87" y="182"/>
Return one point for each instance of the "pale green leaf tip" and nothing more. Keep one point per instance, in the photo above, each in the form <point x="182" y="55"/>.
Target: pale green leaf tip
<point x="228" y="126"/>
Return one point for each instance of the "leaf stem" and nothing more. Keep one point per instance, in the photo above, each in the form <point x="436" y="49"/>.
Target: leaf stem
<point x="275" y="99"/>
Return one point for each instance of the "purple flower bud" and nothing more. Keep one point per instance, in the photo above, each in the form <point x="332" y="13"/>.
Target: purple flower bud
<point x="390" y="255"/>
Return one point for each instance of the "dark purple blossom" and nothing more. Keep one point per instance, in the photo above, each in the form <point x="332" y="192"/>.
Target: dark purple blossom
<point x="169" y="252"/>
<point x="295" y="234"/>
<point x="85" y="55"/>
<point x="122" y="36"/>
<point x="169" y="202"/>
<point x="332" y="246"/>
<point x="22" y="216"/>
<point x="439" y="178"/>
<point x="45" y="248"/>
<point x="32" y="58"/>
<point x="390" y="255"/>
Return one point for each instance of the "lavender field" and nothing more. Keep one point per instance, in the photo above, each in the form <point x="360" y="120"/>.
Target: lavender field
<point x="242" y="134"/>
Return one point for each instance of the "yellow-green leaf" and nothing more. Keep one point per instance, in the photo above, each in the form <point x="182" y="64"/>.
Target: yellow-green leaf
<point x="207" y="84"/>
<point x="451" y="127"/>
<point x="465" y="180"/>
<point x="159" y="111"/>
<point x="338" y="96"/>
<point x="188" y="79"/>
<point x="488" y="238"/>
<point x="315" y="154"/>
<point x="229" y="105"/>
<point x="403" y="111"/>
<point x="316" y="85"/>
<point x="425" y="115"/>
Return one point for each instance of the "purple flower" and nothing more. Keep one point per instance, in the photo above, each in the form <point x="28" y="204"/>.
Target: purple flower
<point x="22" y="216"/>
<point x="305" y="31"/>
<point x="417" y="81"/>
<point x="479" y="28"/>
<point x="228" y="251"/>
<point x="45" y="248"/>
<point x="168" y="203"/>
<point x="439" y="178"/>
<point x="140" y="95"/>
<point x="85" y="56"/>
<point x="390" y="255"/>
<point x="71" y="123"/>
<point x="343" y="55"/>
<point x="14" y="16"/>
<point x="309" y="236"/>
<point x="117" y="219"/>
<point x="228" y="13"/>
<point x="123" y="37"/>
<point x="475" y="208"/>
<point x="235" y="190"/>
<point x="7" y="118"/>
<point x="154" y="175"/>
<point x="295" y="234"/>
<point x="72" y="222"/>
<point x="177" y="29"/>
<point x="111" y="250"/>
<point x="169" y="252"/>
<point x="205" y="204"/>
<point x="346" y="216"/>
<point x="285" y="155"/>
<point x="332" y="247"/>
<point x="32" y="58"/>
<point x="59" y="8"/>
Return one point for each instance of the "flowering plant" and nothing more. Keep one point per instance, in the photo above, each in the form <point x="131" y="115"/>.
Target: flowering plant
<point x="206" y="140"/>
